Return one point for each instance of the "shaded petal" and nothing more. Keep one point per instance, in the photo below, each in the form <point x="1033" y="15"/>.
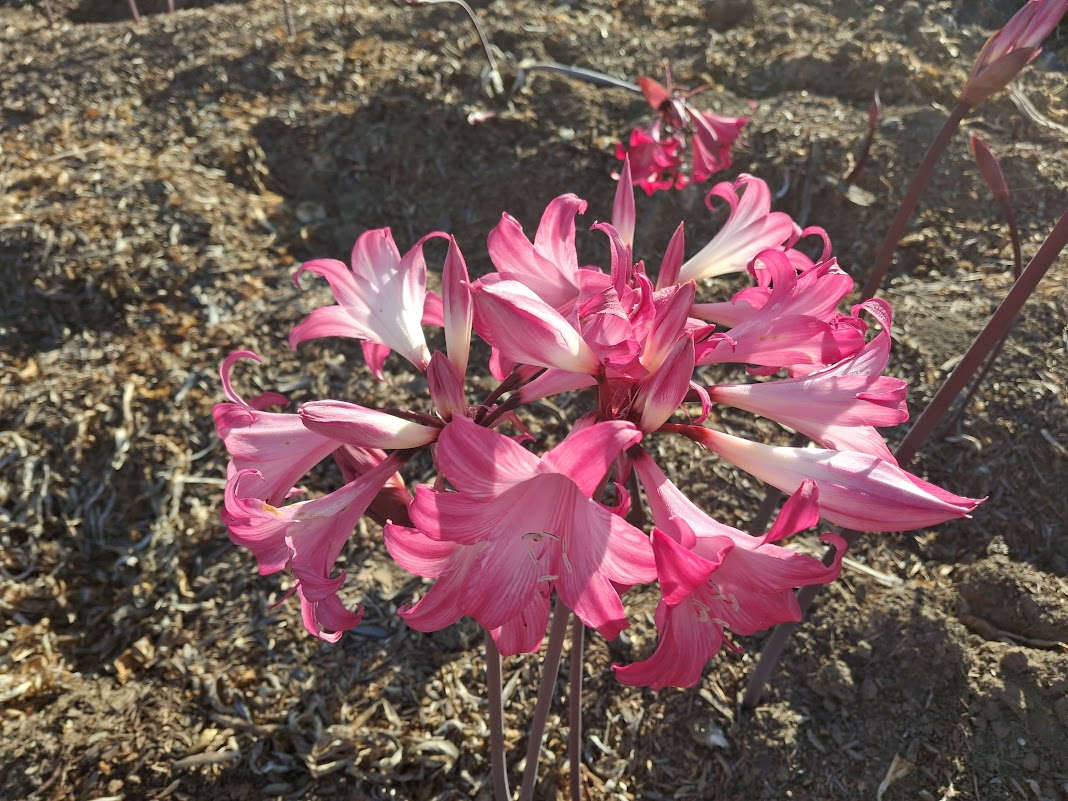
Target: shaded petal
<point x="278" y="446"/>
<point x="684" y="646"/>
<point x="679" y="570"/>
<point x="586" y="455"/>
<point x="523" y="634"/>
<point x="416" y="552"/>
<point x="662" y="394"/>
<point x="481" y="462"/>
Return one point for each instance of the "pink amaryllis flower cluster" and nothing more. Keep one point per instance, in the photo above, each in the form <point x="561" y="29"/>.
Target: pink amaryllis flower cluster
<point x="658" y="152"/>
<point x="506" y="525"/>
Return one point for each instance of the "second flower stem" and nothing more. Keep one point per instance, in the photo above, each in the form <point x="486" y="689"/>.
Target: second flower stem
<point x="574" y="712"/>
<point x="912" y="197"/>
<point x="546" y="689"/>
<point x="496" y="718"/>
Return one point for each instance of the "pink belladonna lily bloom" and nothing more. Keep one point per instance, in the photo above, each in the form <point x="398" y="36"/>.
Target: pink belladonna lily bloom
<point x="525" y="522"/>
<point x="751" y="227"/>
<point x="276" y="445"/>
<point x="654" y="160"/>
<point x="380" y="299"/>
<point x="837" y="407"/>
<point x="1011" y="49"/>
<point x="711" y="139"/>
<point x="817" y="292"/>
<point x="363" y="427"/>
<point x="714" y="577"/>
<point x="781" y="333"/>
<point x="548" y="265"/>
<point x="857" y="490"/>
<point x="527" y="329"/>
<point x="306" y="538"/>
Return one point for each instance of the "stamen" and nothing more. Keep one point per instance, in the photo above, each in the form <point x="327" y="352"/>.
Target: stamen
<point x="701" y="609"/>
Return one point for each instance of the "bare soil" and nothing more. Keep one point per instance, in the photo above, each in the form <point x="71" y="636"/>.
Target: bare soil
<point x="158" y="184"/>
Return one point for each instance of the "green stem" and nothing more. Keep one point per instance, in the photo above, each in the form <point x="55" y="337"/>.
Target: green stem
<point x="912" y="197"/>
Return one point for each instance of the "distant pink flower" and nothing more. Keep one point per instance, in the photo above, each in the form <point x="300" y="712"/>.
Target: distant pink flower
<point x="654" y="153"/>
<point x="710" y="141"/>
<point x="654" y="162"/>
<point x="524" y="522"/>
<point x="306" y="538"/>
<point x="1011" y="49"/>
<point x="380" y="300"/>
<point x="714" y="578"/>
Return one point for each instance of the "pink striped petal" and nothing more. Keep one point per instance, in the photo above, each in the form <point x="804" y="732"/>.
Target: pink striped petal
<point x="525" y="328"/>
<point x="856" y="490"/>
<point x="363" y="427"/>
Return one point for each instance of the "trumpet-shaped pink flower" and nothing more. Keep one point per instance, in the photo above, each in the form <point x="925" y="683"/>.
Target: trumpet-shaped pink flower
<point x="1011" y="49"/>
<point x="654" y="152"/>
<point x="524" y="522"/>
<point x="549" y="265"/>
<point x="655" y="163"/>
<point x="306" y="538"/>
<point x="277" y="446"/>
<point x="751" y="228"/>
<point x="711" y="139"/>
<point x="838" y="406"/>
<point x="817" y="292"/>
<point x="714" y="577"/>
<point x="857" y="490"/>
<point x="380" y="299"/>
<point x="782" y="332"/>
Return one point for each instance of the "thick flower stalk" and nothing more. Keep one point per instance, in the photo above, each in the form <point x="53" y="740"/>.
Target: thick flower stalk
<point x="505" y="526"/>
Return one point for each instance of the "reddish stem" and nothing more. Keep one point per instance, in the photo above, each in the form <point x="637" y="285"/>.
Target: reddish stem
<point x="912" y="197"/>
<point x="135" y="13"/>
<point x="996" y="328"/>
